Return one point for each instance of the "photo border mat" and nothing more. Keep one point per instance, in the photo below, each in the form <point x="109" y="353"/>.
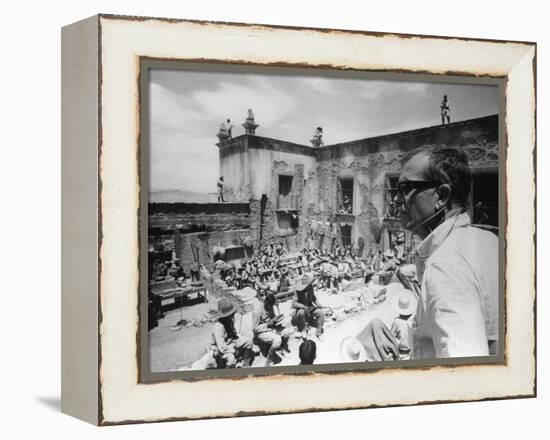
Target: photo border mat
<point x="146" y="64"/>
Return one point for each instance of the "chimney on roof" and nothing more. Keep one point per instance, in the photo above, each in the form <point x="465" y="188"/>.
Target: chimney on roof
<point x="250" y="125"/>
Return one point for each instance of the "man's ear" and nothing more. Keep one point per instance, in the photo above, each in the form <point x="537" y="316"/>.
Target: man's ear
<point x="443" y="196"/>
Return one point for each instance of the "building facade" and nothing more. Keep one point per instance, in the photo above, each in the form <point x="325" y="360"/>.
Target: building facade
<point x="345" y="193"/>
<point x="320" y="196"/>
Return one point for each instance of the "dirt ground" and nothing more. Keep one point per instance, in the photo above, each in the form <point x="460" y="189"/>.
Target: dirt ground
<point x="174" y="348"/>
<point x="170" y="349"/>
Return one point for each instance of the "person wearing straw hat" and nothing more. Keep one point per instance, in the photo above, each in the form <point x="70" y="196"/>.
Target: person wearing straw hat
<point x="404" y="304"/>
<point x="268" y="329"/>
<point x="306" y="307"/>
<point x="351" y="350"/>
<point x="228" y="346"/>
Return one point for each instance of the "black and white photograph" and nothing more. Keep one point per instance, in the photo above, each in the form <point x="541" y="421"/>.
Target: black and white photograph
<point x="302" y="218"/>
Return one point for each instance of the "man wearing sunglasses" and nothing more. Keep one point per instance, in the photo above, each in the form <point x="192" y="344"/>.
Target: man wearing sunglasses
<point x="457" y="264"/>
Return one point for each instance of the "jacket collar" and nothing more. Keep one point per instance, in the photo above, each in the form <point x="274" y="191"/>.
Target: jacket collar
<point x="453" y="219"/>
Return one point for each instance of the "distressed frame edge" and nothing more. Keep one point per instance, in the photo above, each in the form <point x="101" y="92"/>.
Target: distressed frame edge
<point x="80" y="121"/>
<point x="123" y="17"/>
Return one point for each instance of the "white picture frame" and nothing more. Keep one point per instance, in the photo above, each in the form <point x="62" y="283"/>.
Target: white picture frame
<point x="101" y="204"/>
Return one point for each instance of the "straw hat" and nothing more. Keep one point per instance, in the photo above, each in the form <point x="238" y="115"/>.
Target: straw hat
<point x="404" y="302"/>
<point x="409" y="270"/>
<point x="225" y="308"/>
<point x="351" y="350"/>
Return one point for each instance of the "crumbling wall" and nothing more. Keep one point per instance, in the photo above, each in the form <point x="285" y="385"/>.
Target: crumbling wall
<point x="255" y="162"/>
<point x="371" y="160"/>
<point x="204" y="242"/>
<point x="202" y="227"/>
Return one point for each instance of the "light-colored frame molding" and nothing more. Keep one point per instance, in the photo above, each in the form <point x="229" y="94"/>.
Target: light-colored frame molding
<point x="101" y="205"/>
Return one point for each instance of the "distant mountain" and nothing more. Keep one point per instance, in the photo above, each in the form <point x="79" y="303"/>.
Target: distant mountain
<point x="178" y="196"/>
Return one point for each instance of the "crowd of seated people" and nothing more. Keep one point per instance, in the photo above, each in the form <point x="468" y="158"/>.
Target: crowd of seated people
<point x="274" y="274"/>
<point x="272" y="269"/>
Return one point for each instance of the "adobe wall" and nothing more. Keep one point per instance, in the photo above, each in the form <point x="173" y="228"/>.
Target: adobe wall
<point x="205" y="242"/>
<point x="203" y="226"/>
<point x="247" y="162"/>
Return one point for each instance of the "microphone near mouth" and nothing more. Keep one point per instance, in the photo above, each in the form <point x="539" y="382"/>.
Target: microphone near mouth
<point x="413" y="226"/>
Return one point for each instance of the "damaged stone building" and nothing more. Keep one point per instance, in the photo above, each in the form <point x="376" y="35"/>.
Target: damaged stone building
<point x="317" y="196"/>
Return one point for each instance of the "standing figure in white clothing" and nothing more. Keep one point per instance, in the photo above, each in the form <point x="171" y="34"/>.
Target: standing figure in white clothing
<point x="457" y="264"/>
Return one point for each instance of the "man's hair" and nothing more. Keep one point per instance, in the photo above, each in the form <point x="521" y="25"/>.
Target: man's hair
<point x="448" y="165"/>
<point x="308" y="352"/>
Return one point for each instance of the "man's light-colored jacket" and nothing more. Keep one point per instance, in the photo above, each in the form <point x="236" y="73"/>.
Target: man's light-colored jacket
<point x="457" y="315"/>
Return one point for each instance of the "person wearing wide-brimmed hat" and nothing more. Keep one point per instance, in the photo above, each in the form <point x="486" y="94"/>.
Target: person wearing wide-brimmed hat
<point x="306" y="307"/>
<point x="268" y="328"/>
<point x="228" y="346"/>
<point x="351" y="350"/>
<point x="404" y="304"/>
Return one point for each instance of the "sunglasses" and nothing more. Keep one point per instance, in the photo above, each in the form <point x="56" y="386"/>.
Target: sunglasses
<point x="405" y="188"/>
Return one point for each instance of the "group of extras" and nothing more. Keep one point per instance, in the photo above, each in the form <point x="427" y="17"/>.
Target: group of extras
<point x="272" y="277"/>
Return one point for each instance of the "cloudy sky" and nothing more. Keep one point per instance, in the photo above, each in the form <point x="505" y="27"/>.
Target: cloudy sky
<point x="187" y="108"/>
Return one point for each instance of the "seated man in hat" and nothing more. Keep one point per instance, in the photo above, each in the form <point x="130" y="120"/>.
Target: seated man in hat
<point x="306" y="307"/>
<point x="269" y="333"/>
<point x="228" y="346"/>
<point x="404" y="305"/>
